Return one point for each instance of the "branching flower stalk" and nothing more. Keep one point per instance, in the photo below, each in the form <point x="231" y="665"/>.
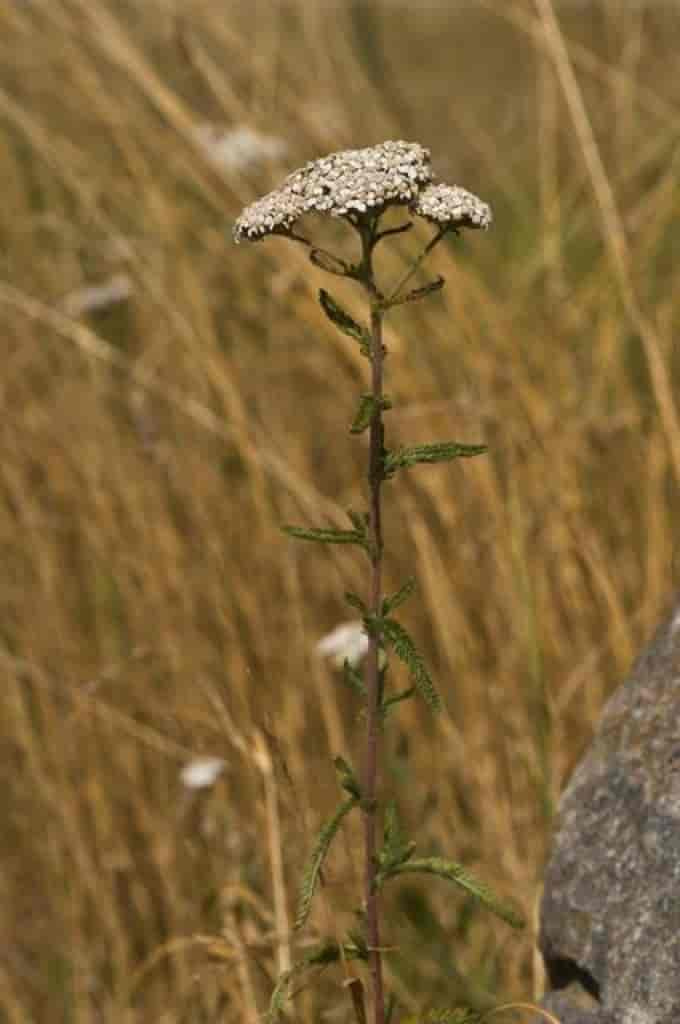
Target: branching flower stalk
<point x="358" y="186"/>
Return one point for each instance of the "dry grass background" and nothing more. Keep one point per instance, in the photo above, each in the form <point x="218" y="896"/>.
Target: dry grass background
<point x="152" y="611"/>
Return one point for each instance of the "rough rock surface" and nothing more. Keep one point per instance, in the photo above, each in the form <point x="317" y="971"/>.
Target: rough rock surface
<point x="610" y="916"/>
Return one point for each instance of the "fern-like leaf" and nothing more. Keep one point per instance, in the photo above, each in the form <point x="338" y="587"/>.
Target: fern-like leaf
<point x="327" y="535"/>
<point x="391" y="603"/>
<point x="417" y="293"/>
<point x="347" y="777"/>
<point x="327" y="953"/>
<point x="443" y="451"/>
<point x="368" y="406"/>
<point x="389" y="703"/>
<point x="396" y="849"/>
<point x="447" y="1015"/>
<point x="331" y="264"/>
<point x="359" y="521"/>
<point x="344" y="322"/>
<point x="321" y="848"/>
<point x="352" y="678"/>
<point x="395" y="634"/>
<point x="355" y="601"/>
<point x="451" y="871"/>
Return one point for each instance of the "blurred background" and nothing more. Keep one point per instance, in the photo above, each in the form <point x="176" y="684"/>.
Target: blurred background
<point x="168" y="400"/>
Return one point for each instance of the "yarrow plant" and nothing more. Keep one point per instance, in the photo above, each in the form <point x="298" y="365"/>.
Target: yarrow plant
<point x="359" y="186"/>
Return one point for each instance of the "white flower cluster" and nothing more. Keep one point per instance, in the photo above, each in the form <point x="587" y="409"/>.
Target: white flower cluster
<point x="452" y="206"/>
<point x="274" y="214"/>
<point x="357" y="180"/>
<point x="354" y="181"/>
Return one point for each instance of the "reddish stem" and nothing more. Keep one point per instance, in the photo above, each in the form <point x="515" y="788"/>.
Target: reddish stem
<point x="373" y="732"/>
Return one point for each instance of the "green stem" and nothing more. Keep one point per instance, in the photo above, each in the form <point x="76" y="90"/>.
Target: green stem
<point x="372" y="754"/>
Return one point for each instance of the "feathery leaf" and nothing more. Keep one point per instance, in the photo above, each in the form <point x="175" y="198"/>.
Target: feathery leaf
<point x="395" y="634"/>
<point x="359" y="520"/>
<point x="355" y="601"/>
<point x="331" y="264"/>
<point x="327" y="953"/>
<point x="368" y="406"/>
<point x="344" y="322"/>
<point x="451" y="871"/>
<point x="390" y="603"/>
<point x="442" y="451"/>
<point x="321" y="848"/>
<point x="447" y="1015"/>
<point x="396" y="849"/>
<point x="389" y="703"/>
<point x="352" y="678"/>
<point x="326" y="535"/>
<point x="417" y="293"/>
<point x="347" y="776"/>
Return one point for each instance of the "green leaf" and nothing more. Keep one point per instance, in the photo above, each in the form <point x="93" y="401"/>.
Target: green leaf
<point x="404" y="592"/>
<point x="443" y="451"/>
<point x="418" y="293"/>
<point x="373" y="624"/>
<point x="390" y="702"/>
<point x="355" y="945"/>
<point x="392" y="834"/>
<point x="368" y="405"/>
<point x="454" y="872"/>
<point x="355" y="601"/>
<point x="359" y="521"/>
<point x="327" y="953"/>
<point x="348" y="779"/>
<point x="404" y="648"/>
<point x="280" y="992"/>
<point x="396" y="849"/>
<point x="352" y="678"/>
<point x="330" y="263"/>
<point x="321" y="848"/>
<point x="344" y="322"/>
<point x="390" y="1008"/>
<point x="447" y="1015"/>
<point x="326" y="535"/>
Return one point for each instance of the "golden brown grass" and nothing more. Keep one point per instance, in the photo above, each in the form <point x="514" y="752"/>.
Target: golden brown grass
<point x="152" y="611"/>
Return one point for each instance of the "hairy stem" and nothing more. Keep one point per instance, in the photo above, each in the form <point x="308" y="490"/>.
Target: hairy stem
<point x="373" y="732"/>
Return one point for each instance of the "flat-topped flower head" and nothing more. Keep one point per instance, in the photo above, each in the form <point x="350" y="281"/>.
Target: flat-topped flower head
<point x="345" y="184"/>
<point x="452" y="206"/>
<point x="357" y="180"/>
<point x="274" y="214"/>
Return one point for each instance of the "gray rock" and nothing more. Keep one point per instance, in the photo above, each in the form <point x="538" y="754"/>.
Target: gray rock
<point x="610" y="916"/>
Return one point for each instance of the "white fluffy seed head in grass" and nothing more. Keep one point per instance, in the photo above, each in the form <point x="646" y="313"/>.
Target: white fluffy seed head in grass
<point x="347" y="642"/>
<point x="202" y="772"/>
